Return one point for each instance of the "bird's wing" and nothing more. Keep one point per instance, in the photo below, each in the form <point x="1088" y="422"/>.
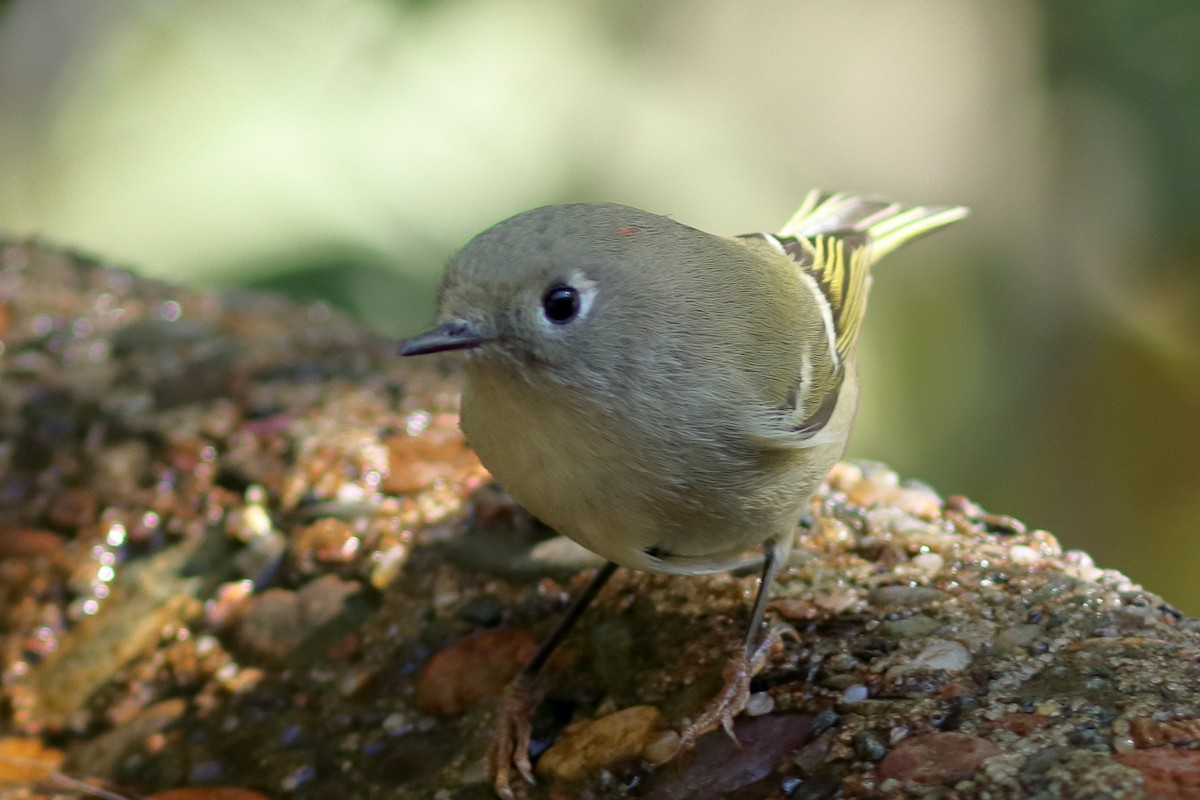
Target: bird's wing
<point x="835" y="239"/>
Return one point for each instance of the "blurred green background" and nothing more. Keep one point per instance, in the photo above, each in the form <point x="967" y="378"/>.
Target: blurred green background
<point x="1043" y="357"/>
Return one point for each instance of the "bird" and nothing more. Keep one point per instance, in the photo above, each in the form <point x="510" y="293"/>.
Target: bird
<point x="668" y="398"/>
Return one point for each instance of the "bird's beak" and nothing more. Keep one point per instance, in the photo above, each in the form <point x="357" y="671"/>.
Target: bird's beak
<point x="453" y="335"/>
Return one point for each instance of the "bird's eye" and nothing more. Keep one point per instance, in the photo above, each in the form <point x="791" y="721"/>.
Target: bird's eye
<point x="560" y="304"/>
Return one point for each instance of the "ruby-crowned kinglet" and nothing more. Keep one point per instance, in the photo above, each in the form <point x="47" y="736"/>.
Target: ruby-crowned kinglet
<point x="668" y="398"/>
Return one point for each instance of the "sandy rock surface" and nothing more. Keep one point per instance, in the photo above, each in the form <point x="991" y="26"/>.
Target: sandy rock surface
<point x="244" y="552"/>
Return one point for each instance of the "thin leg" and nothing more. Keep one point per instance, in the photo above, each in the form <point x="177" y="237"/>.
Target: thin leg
<point x="773" y="557"/>
<point x="568" y="621"/>
<point x="746" y="662"/>
<point x="510" y="743"/>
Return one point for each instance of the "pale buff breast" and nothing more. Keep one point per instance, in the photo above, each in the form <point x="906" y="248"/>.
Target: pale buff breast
<point x="586" y="479"/>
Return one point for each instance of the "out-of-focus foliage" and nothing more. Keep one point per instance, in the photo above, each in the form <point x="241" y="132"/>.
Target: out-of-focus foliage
<point x="1043" y="357"/>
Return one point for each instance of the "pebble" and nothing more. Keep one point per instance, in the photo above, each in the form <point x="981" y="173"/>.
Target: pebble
<point x="471" y="669"/>
<point x="929" y="563"/>
<point x="387" y="565"/>
<point x="933" y="759"/>
<point x="719" y="766"/>
<point x="277" y="621"/>
<point x="1146" y="732"/>
<point x="26" y="761"/>
<point x="919" y="501"/>
<point x="1023" y="554"/>
<point x="813" y="754"/>
<point x="856" y="693"/>
<point x="913" y="627"/>
<point x="438" y="455"/>
<point x="1016" y="637"/>
<point x="28" y="542"/>
<point x="941" y="655"/>
<point x="1168" y="773"/>
<point x="868" y="746"/>
<point x="661" y="747"/>
<point x="208" y="793"/>
<point x="759" y="703"/>
<point x="905" y="596"/>
<point x="587" y="746"/>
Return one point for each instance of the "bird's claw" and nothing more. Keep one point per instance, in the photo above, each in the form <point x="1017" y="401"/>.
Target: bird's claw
<point x="735" y="690"/>
<point x="511" y="738"/>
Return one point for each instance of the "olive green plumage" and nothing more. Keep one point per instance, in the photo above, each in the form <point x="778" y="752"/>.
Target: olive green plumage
<point x="666" y="397"/>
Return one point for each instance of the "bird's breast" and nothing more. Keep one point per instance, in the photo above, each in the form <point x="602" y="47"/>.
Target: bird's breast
<point x="592" y="475"/>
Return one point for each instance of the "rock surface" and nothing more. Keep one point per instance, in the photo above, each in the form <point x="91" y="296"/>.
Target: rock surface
<point x="243" y="546"/>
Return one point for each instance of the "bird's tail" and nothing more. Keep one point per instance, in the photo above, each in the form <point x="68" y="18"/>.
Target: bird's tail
<point x="887" y="225"/>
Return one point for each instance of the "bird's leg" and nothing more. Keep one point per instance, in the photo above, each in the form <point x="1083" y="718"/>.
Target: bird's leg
<point x="510" y="741"/>
<point x="748" y="660"/>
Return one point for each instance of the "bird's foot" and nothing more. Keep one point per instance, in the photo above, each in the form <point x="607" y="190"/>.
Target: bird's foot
<point x="511" y="738"/>
<point x="735" y="690"/>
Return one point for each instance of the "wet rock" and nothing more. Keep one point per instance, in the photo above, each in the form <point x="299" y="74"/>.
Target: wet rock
<point x="192" y="471"/>
<point x="1167" y="773"/>
<point x="28" y="542"/>
<point x="208" y="793"/>
<point x="936" y="758"/>
<point x="939" y="655"/>
<point x="587" y="746"/>
<point x="471" y="669"/>
<point x="278" y="621"/>
<point x="718" y="765"/>
<point x="104" y="754"/>
<point x="25" y="761"/>
<point x="145" y="599"/>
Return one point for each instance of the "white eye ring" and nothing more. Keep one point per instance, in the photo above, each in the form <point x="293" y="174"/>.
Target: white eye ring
<point x="566" y="302"/>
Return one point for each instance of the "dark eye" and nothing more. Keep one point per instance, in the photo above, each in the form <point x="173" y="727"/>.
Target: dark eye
<point x="560" y="304"/>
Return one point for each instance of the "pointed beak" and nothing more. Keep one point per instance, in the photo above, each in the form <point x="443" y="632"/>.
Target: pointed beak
<point x="452" y="335"/>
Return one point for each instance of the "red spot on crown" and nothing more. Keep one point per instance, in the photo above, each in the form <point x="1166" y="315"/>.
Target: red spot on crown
<point x="627" y="230"/>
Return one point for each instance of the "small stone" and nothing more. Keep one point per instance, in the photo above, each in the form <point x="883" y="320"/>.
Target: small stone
<point x="1168" y="773"/>
<point x="721" y="766"/>
<point x="1023" y="554"/>
<point x="208" y="793"/>
<point x="942" y="654"/>
<point x="28" y="542"/>
<point x="25" y="761"/>
<point x="844" y="476"/>
<point x="418" y="462"/>
<point x="913" y="627"/>
<point x="387" y="565"/>
<point x="271" y="626"/>
<point x="879" y="485"/>
<point x="1146" y="732"/>
<point x="759" y="703"/>
<point x="919" y="501"/>
<point x="929" y="563"/>
<point x="277" y="621"/>
<point x="327" y="541"/>
<point x="906" y="596"/>
<point x="661" y="748"/>
<point x="605" y="742"/>
<point x="856" y="693"/>
<point x="1023" y="724"/>
<point x="836" y="600"/>
<point x="813" y="754"/>
<point x="936" y="758"/>
<point x="1016" y="637"/>
<point x="472" y="669"/>
<point x="868" y="746"/>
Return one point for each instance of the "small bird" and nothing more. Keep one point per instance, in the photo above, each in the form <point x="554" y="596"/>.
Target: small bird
<point x="668" y="398"/>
